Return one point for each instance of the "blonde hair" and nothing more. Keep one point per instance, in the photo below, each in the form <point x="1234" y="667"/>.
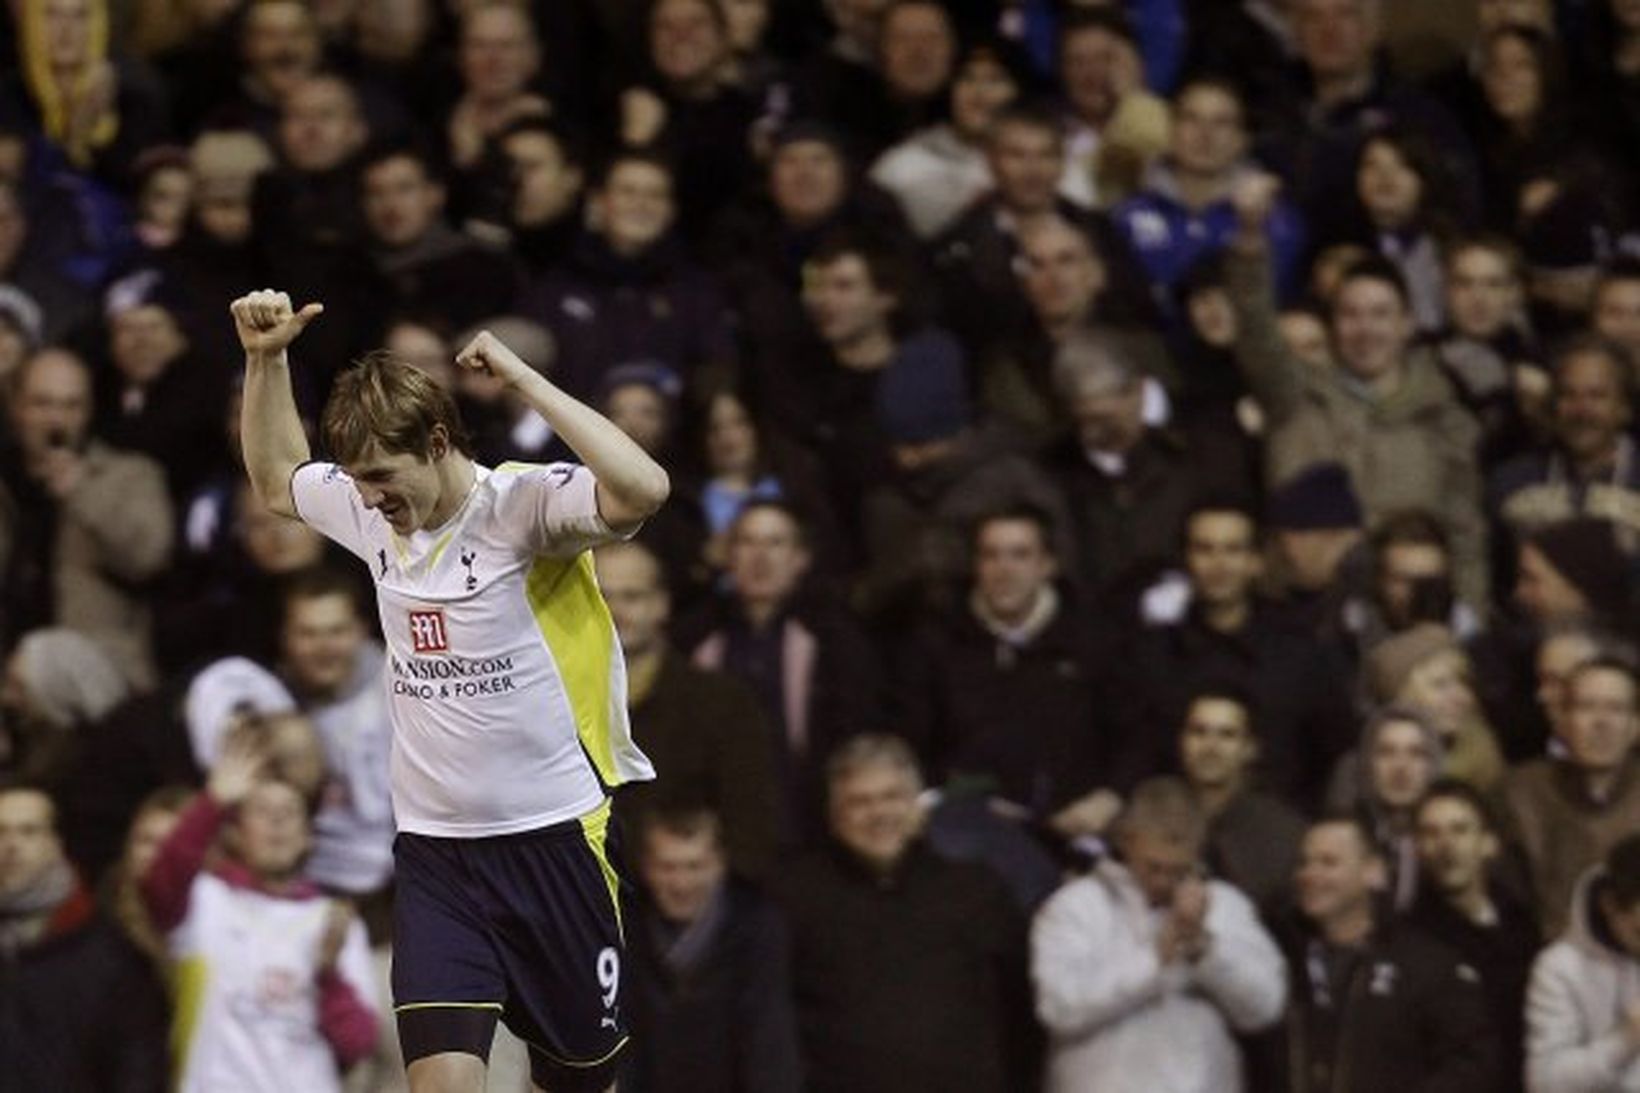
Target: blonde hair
<point x="58" y="102"/>
<point x="385" y="404"/>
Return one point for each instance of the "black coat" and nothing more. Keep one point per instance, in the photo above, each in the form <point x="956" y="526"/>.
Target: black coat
<point x="81" y="1012"/>
<point x="915" y="981"/>
<point x="726" y="1025"/>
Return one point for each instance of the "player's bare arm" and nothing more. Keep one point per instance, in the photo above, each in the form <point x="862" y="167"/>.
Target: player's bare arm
<point x="631" y="485"/>
<point x="270" y="428"/>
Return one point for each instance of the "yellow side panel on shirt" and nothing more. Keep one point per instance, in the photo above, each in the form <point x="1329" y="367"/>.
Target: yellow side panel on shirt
<point x="575" y="621"/>
<point x="188" y="978"/>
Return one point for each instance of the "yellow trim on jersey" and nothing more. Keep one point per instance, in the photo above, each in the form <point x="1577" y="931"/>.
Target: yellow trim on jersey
<point x="610" y="1054"/>
<point x="595" y="827"/>
<point x="408" y="1006"/>
<point x="188" y="978"/>
<point x="576" y="625"/>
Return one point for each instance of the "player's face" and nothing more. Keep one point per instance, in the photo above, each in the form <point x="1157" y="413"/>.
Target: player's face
<point x="28" y="839"/>
<point x="402" y="487"/>
<point x="270" y="829"/>
<point x="322" y="640"/>
<point x="1453" y="845"/>
<point x="682" y="873"/>
<point x="1216" y="746"/>
<point x="874" y="813"/>
<point x="1401" y="766"/>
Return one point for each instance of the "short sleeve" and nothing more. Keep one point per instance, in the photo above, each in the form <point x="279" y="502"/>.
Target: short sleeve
<point x="327" y="501"/>
<point x="553" y="508"/>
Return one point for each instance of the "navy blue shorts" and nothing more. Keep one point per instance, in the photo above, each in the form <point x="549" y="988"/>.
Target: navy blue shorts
<point x="523" y="928"/>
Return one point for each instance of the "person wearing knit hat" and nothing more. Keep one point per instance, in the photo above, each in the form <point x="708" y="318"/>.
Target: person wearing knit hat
<point x="57" y="681"/>
<point x="1426" y="669"/>
<point x="1316" y="523"/>
<point x="1574" y="570"/>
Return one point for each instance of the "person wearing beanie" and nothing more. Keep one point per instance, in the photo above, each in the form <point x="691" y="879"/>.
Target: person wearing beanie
<point x="1426" y="669"/>
<point x="1321" y="563"/>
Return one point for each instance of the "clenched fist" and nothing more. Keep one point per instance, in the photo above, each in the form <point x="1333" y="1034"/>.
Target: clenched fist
<point x="486" y="353"/>
<point x="267" y="324"/>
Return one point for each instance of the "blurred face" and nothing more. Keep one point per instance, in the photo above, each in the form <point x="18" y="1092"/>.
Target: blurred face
<point x="748" y="21"/>
<point x="274" y="544"/>
<point x="280" y="46"/>
<point x="767" y="558"/>
<point x="1012" y="566"/>
<point x="499" y="53"/>
<point x="1371" y="327"/>
<point x="1336" y="37"/>
<point x="1314" y="555"/>
<point x="1483" y="296"/>
<point x="1600" y="725"/>
<point x="323" y="638"/>
<point x="1556" y="659"/>
<point x="1542" y="592"/>
<point x="807" y="181"/>
<point x="320" y="126"/>
<point x="1109" y="417"/>
<point x="68" y="32"/>
<point x="403" y="488"/>
<point x="1511" y="79"/>
<point x="269" y="830"/>
<point x="1090" y="61"/>
<point x="401" y="203"/>
<point x="28" y="839"/>
<point x="1490" y="15"/>
<point x="1454" y="847"/>
<point x="640" y="412"/>
<point x="682" y="872"/>
<point x="631" y="583"/>
<point x="1616" y="308"/>
<point x="144" y="341"/>
<point x="635" y="206"/>
<point x="393" y="31"/>
<point x="918" y="49"/>
<point x="1337" y="872"/>
<point x="224" y="215"/>
<point x="842" y="302"/>
<point x="874" y="813"/>
<point x="1059" y="272"/>
<point x="1400" y="765"/>
<point x="422" y="348"/>
<point x="686" y="42"/>
<point x="1027" y="161"/>
<point x="1207" y="137"/>
<point x="1590" y="405"/>
<point x="148" y="832"/>
<point x="1306" y="338"/>
<point x="1440" y="687"/>
<point x="1157" y="865"/>
<point x="1213" y="317"/>
<point x="982" y="88"/>
<point x="1388" y="186"/>
<point x="51" y="408"/>
<point x="167" y="196"/>
<point x="1217" y="748"/>
<point x="1221" y="555"/>
<point x="545" y="184"/>
<point x="731" y="440"/>
<point x="1401" y="570"/>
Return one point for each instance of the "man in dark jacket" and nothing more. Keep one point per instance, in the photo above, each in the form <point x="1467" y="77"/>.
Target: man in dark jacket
<point x="80" y="1010"/>
<point x="1460" y="905"/>
<point x="709" y="992"/>
<point x="1371" y="1008"/>
<point x="909" y="971"/>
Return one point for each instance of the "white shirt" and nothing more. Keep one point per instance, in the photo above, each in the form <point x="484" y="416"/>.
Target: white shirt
<point x="506" y="685"/>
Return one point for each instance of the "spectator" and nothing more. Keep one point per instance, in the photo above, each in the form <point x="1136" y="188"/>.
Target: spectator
<point x="1616" y="311"/>
<point x="93" y="523"/>
<point x="1182" y="215"/>
<point x="499" y="60"/>
<point x="710" y="991"/>
<point x="152" y="823"/>
<point x="1321" y="558"/>
<point x="953" y="930"/>
<point x="1563" y="649"/>
<point x="1386" y="412"/>
<point x="938" y="171"/>
<point x="541" y="191"/>
<point x="1564" y="813"/>
<point x="1114" y="124"/>
<point x="627" y="292"/>
<point x="1581" y="1006"/>
<point x="1376" y="1005"/>
<point x="57" y="683"/>
<point x="1381" y="783"/>
<point x="278" y="47"/>
<point x="710" y="742"/>
<point x="1017" y="653"/>
<point x="1252" y="838"/>
<point x="305" y="964"/>
<point x="1462" y="905"/>
<point x="917" y="53"/>
<point x="81" y="1011"/>
<point x="1573" y="570"/>
<point x="1144" y="969"/>
<point x="58" y="302"/>
<point x="1590" y="469"/>
<point x="807" y="663"/>
<point x="1210" y="626"/>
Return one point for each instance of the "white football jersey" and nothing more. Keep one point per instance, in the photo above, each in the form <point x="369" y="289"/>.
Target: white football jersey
<point x="505" y="680"/>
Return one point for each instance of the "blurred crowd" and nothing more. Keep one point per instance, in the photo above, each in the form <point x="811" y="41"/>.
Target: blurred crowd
<point x="1148" y="597"/>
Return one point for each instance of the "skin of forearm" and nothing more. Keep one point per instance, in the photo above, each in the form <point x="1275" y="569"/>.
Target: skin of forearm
<point x="270" y="427"/>
<point x="621" y="466"/>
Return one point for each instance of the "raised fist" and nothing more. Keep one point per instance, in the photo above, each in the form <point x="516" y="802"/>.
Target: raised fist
<point x="1253" y="197"/>
<point x="486" y="353"/>
<point x="266" y="323"/>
